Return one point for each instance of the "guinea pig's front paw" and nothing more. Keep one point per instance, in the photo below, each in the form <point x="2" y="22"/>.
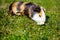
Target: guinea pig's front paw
<point x="40" y="23"/>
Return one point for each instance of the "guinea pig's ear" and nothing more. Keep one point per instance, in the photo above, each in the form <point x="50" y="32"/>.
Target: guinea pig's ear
<point x="43" y="9"/>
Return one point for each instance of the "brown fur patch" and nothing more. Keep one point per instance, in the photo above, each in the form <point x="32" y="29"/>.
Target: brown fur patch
<point x="14" y="7"/>
<point x="40" y="13"/>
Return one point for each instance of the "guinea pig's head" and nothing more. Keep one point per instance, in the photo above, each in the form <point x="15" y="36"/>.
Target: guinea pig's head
<point x="39" y="15"/>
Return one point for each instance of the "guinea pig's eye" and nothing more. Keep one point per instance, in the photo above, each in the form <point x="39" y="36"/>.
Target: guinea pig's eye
<point x="39" y="15"/>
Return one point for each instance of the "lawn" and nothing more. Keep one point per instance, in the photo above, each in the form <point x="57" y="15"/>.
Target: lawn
<point x="22" y="28"/>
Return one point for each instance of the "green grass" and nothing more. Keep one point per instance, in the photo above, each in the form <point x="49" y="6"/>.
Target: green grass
<point x="22" y="28"/>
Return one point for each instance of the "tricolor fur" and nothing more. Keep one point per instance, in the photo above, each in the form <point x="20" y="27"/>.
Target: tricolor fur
<point x="32" y="10"/>
<point x="20" y="8"/>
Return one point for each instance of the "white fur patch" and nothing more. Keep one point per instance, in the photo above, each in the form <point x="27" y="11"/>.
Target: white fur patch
<point x="40" y="20"/>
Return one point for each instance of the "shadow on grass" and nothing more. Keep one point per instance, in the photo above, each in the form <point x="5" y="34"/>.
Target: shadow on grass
<point x="47" y="17"/>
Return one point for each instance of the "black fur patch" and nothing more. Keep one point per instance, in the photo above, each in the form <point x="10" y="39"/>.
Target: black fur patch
<point x="19" y="4"/>
<point x="37" y="9"/>
<point x="10" y="7"/>
<point x="28" y="5"/>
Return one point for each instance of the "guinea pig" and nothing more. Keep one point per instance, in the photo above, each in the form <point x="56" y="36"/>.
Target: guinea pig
<point x="33" y="11"/>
